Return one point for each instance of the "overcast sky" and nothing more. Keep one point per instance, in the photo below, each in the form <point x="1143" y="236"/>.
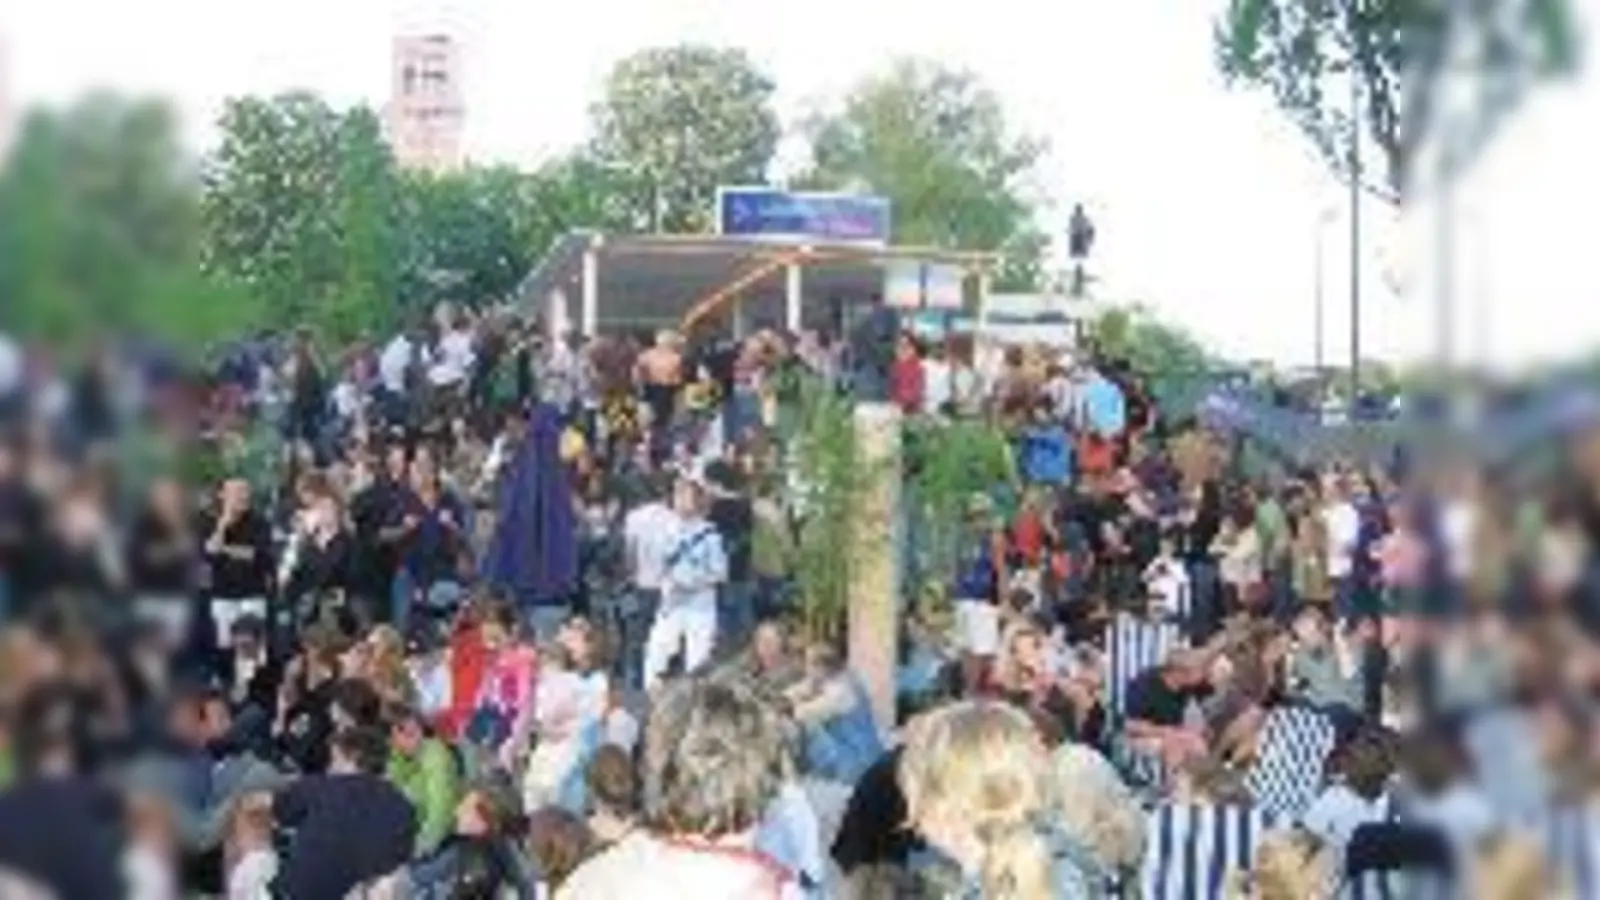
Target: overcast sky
<point x="1206" y="203"/>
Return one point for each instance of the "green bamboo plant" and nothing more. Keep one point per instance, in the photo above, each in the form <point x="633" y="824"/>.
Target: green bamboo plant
<point x="831" y="483"/>
<point x="947" y="464"/>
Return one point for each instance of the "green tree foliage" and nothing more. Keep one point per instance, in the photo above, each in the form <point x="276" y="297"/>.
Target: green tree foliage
<point x="1404" y="53"/>
<point x="99" y="232"/>
<point x="302" y="206"/>
<point x="1177" y="365"/>
<point x="935" y="141"/>
<point x="946" y="465"/>
<point x="682" y="121"/>
<point x="470" y="231"/>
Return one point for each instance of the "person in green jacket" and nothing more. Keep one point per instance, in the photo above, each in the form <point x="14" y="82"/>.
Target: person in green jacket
<point x="426" y="770"/>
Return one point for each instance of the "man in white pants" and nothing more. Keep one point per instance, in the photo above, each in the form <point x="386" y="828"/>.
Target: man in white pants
<point x="695" y="569"/>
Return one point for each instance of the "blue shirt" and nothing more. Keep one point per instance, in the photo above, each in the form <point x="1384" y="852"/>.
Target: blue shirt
<point x="1046" y="456"/>
<point x="1105" y="407"/>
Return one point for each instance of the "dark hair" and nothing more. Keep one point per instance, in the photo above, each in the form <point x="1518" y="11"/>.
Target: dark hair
<point x="358" y="700"/>
<point x="249" y="626"/>
<point x="613" y="781"/>
<point x="44" y="728"/>
<point x="365" y="746"/>
<point x="1365" y="762"/>
<point x="559" y="842"/>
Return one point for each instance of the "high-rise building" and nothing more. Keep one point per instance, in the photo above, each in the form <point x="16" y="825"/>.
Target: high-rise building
<point x="426" y="110"/>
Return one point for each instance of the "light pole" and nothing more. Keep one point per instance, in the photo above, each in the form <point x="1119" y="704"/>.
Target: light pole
<point x="1355" y="235"/>
<point x="1320" y="312"/>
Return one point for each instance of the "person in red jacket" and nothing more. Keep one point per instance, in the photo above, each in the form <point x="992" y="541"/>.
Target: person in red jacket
<point x="905" y="376"/>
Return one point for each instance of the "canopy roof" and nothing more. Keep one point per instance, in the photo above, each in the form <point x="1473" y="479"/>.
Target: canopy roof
<point x="653" y="281"/>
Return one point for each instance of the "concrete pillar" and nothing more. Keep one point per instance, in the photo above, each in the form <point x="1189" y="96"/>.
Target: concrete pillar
<point x="589" y="310"/>
<point x="873" y="627"/>
<point x="792" y="298"/>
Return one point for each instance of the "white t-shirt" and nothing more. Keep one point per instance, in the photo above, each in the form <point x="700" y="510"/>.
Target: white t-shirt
<point x="621" y="729"/>
<point x="394" y="362"/>
<point x="1344" y="530"/>
<point x="1168" y="580"/>
<point x="457" y="353"/>
<point x="10" y="366"/>
<point x="1457" y="526"/>
<point x="640" y="865"/>
<point x="252" y="876"/>
<point x="650" y="532"/>
<point x="937" y="386"/>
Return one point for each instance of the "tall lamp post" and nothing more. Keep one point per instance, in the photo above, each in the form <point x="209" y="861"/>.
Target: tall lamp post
<point x="1355" y="239"/>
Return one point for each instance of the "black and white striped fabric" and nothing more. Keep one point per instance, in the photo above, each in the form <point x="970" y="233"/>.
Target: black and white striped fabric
<point x="1132" y="646"/>
<point x="1287" y="773"/>
<point x="1191" y="848"/>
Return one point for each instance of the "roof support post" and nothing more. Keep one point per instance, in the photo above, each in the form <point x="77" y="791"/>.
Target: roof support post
<point x="792" y="297"/>
<point x="589" y="309"/>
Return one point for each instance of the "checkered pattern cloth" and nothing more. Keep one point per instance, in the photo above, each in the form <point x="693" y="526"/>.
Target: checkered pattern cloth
<point x="1191" y="848"/>
<point x="1287" y="773"/>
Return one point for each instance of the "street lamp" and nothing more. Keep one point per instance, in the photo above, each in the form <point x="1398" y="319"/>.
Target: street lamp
<point x="1326" y="217"/>
<point x="1080" y="240"/>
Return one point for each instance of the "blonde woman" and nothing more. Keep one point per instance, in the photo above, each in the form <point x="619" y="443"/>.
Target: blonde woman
<point x="981" y="788"/>
<point x="712" y="764"/>
<point x="1290" y="865"/>
<point x="383" y="665"/>
<point x="1514" y="869"/>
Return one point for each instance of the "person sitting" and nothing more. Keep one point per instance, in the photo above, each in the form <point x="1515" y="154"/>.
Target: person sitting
<point x="249" y="854"/>
<point x="481" y="857"/>
<point x="54" y="833"/>
<point x="980" y="787"/>
<point x="613" y="795"/>
<point x="559" y="842"/>
<point x="350" y="826"/>
<point x="426" y="770"/>
<point x="841" y="737"/>
<point x="503" y="710"/>
<point x="713" y="754"/>
<point x="1159" y="700"/>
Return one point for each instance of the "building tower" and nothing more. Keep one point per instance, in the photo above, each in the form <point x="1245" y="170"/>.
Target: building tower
<point x="426" y="110"/>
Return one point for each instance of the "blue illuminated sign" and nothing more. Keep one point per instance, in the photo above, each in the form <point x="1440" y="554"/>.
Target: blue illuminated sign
<point x="768" y="212"/>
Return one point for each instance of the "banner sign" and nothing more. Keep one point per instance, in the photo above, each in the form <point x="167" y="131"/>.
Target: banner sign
<point x="944" y="287"/>
<point x="773" y="213"/>
<point x="902" y="285"/>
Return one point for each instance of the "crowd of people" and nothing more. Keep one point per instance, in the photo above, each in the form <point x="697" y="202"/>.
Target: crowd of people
<point x="478" y="611"/>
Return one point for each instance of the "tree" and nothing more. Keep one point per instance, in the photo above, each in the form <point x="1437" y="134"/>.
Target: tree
<point x="682" y="121"/>
<point x="302" y="207"/>
<point x="1403" y="53"/>
<point x="1177" y="365"/>
<point x="99" y="211"/>
<point x="469" y="232"/>
<point x="936" y="142"/>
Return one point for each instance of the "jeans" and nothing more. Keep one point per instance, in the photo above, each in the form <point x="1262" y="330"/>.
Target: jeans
<point x="1205" y="609"/>
<point x="638" y="612"/>
<point x="736" y="613"/>
<point x="544" y="620"/>
<point x="439" y="600"/>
